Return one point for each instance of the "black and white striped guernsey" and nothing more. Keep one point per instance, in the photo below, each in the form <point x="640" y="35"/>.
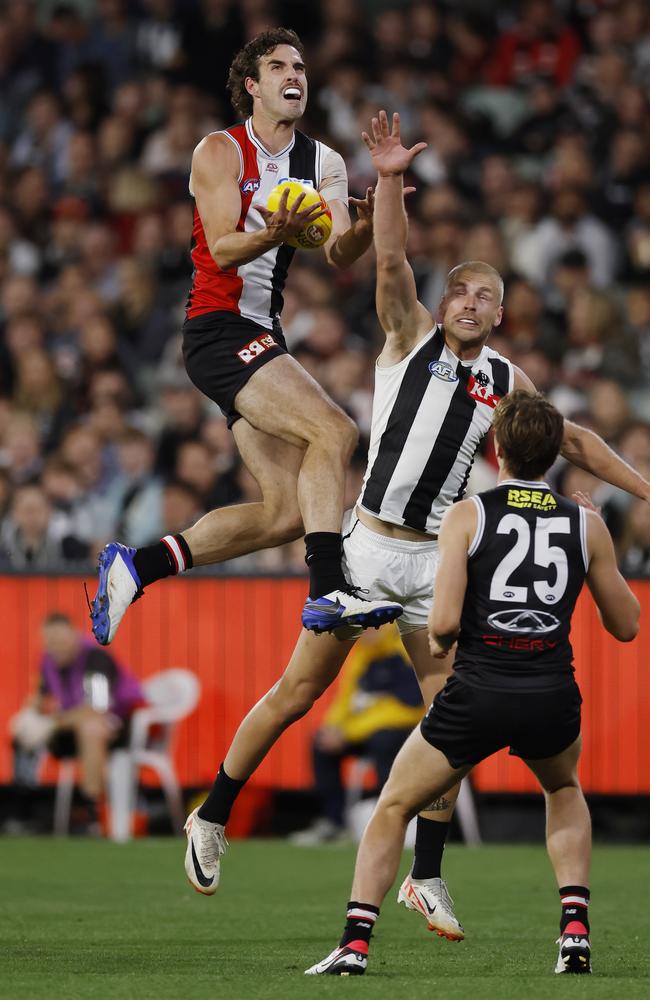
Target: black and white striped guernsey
<point x="429" y="416"/>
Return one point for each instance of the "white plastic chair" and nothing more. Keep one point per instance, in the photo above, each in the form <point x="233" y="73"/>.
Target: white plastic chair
<point x="172" y="695"/>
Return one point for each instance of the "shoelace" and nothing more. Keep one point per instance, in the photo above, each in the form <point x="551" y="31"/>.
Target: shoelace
<point x="211" y="846"/>
<point x="445" y="898"/>
<point x="355" y="591"/>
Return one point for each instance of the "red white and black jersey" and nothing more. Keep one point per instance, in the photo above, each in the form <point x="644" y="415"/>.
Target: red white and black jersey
<point x="526" y="566"/>
<point x="254" y="290"/>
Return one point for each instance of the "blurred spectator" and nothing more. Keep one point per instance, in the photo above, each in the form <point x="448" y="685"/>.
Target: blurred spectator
<point x="81" y="708"/>
<point x="538" y="43"/>
<point x="635" y="558"/>
<point x="569" y="226"/>
<point x="538" y="160"/>
<point x="377" y="704"/>
<point x="134" y="497"/>
<point x="181" y="507"/>
<point x="33" y="537"/>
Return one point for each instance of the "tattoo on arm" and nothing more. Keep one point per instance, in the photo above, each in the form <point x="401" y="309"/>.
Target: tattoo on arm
<point x="438" y="805"/>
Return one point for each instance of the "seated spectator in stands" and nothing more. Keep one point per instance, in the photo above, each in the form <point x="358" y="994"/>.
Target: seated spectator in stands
<point x="537" y="43"/>
<point x="81" y="708"/>
<point x="181" y="507"/>
<point x="34" y="538"/>
<point x="598" y="343"/>
<point x="569" y="226"/>
<point x="134" y="496"/>
<point x="377" y="704"/>
<point x="635" y="555"/>
<point x="20" y="448"/>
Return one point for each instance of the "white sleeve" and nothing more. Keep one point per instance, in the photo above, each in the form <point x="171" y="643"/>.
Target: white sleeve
<point x="333" y="175"/>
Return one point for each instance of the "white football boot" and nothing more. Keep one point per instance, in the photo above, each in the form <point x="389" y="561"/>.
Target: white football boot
<point x="430" y="898"/>
<point x="346" y="608"/>
<point x="343" y="961"/>
<point x="206" y="842"/>
<point x="575" y="953"/>
<point x="117" y="588"/>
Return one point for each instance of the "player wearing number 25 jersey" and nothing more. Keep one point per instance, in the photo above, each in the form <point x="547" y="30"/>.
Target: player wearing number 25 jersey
<point x="512" y="562"/>
<point x="526" y="567"/>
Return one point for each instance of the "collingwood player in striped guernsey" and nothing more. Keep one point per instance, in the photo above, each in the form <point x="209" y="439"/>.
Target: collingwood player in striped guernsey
<point x="436" y="388"/>
<point x="512" y="563"/>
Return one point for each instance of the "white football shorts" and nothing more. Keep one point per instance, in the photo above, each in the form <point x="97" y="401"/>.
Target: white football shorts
<point x="391" y="569"/>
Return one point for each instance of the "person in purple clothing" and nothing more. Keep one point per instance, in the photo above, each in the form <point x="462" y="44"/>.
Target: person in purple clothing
<point x="83" y="704"/>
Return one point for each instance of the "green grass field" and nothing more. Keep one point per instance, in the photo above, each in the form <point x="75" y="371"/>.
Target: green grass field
<point x="85" y="919"/>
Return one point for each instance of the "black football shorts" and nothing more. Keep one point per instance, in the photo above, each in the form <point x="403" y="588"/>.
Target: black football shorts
<point x="222" y="350"/>
<point x="469" y="723"/>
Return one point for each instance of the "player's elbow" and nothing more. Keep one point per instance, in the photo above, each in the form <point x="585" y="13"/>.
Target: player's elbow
<point x="222" y="259"/>
<point x="444" y="625"/>
<point x="389" y="261"/>
<point x="629" y="630"/>
<point x="625" y="627"/>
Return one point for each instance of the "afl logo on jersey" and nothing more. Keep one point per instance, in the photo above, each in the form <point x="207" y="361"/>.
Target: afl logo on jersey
<point x="443" y="371"/>
<point x="524" y="620"/>
<point x="250" y="186"/>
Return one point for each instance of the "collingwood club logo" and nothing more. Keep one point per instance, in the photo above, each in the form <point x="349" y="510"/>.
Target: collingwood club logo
<point x="443" y="371"/>
<point x="523" y="620"/>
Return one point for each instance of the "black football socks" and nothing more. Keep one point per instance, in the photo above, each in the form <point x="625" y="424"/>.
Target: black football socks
<point x="217" y="806"/>
<point x="324" y="552"/>
<point x="169" y="556"/>
<point x="430" y="836"/>
<point x="360" y="920"/>
<point x="575" y="909"/>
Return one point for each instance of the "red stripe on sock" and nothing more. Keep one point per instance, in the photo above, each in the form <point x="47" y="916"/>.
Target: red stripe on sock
<point x="171" y="551"/>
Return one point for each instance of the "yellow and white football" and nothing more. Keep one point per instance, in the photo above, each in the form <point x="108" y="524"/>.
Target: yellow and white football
<point x="315" y="233"/>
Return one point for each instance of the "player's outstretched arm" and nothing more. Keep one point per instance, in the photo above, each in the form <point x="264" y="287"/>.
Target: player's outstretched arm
<point x="588" y="451"/>
<point x="215" y="168"/>
<point x="456" y="533"/>
<point x="403" y="318"/>
<point x="348" y="241"/>
<point x="618" y="607"/>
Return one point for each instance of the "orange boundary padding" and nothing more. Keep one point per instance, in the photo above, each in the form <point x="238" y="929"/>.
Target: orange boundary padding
<point x="237" y="635"/>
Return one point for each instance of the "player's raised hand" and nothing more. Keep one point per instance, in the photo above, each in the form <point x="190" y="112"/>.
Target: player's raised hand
<point x="285" y="222"/>
<point x="365" y="206"/>
<point x="385" y="145"/>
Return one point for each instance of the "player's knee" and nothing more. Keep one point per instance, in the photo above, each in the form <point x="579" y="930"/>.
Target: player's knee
<point x="291" y="700"/>
<point x="93" y="726"/>
<point x="284" y="521"/>
<point x="563" y="783"/>
<point x="338" y="433"/>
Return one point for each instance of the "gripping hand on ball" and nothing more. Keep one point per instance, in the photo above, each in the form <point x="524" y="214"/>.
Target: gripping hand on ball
<point x="285" y="223"/>
<point x="389" y="156"/>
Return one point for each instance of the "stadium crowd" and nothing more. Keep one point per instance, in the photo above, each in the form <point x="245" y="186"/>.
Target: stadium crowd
<point x="536" y="117"/>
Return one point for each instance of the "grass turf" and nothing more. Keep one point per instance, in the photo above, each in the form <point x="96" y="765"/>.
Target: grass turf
<point x="88" y="919"/>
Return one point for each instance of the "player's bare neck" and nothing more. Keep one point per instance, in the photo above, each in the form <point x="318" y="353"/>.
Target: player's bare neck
<point x="464" y="352"/>
<point x="274" y="135"/>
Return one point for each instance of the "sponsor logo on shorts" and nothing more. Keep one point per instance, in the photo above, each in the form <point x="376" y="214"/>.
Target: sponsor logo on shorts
<point x="250" y="185"/>
<point x="443" y="371"/>
<point x="524" y="620"/>
<point x="255" y="348"/>
<point x="478" y="388"/>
